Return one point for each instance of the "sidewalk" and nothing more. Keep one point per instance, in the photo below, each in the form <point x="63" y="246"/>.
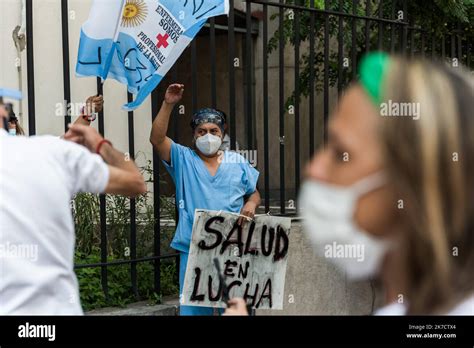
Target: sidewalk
<point x="169" y="307"/>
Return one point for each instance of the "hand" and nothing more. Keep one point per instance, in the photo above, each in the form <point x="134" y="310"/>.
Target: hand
<point x="237" y="306"/>
<point x="247" y="210"/>
<point x="174" y="94"/>
<point x="94" y="104"/>
<point x="84" y="135"/>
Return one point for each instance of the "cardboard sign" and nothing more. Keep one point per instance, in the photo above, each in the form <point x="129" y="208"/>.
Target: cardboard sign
<point x="252" y="259"/>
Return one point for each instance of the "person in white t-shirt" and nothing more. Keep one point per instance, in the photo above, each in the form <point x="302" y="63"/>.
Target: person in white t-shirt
<point x="38" y="178"/>
<point x="393" y="189"/>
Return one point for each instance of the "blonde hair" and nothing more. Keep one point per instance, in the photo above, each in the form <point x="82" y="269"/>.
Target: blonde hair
<point x="19" y="129"/>
<point x="431" y="163"/>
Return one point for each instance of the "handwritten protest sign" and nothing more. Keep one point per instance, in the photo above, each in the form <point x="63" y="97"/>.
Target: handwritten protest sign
<point x="253" y="260"/>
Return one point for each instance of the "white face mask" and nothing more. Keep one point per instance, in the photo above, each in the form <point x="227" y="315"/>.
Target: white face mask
<point x="209" y="144"/>
<point x="12" y="131"/>
<point x="328" y="213"/>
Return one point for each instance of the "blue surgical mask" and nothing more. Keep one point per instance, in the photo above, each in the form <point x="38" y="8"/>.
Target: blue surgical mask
<point x="12" y="131"/>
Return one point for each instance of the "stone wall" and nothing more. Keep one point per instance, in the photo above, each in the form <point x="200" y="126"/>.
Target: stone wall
<point x="315" y="287"/>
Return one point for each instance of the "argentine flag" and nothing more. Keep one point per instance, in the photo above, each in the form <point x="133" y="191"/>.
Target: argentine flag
<point x="136" y="42"/>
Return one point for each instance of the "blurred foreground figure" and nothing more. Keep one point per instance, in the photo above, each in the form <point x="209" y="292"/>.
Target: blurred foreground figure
<point x="38" y="178"/>
<point x="394" y="187"/>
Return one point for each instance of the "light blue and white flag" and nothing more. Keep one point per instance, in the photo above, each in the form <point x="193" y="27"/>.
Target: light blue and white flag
<point x="136" y="42"/>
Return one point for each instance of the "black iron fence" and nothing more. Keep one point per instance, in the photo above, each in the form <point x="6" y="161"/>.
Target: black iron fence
<point x="282" y="61"/>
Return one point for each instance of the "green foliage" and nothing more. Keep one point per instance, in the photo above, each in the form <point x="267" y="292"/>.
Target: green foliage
<point x="120" y="292"/>
<point x="86" y="208"/>
<point x="456" y="9"/>
<point x="435" y="17"/>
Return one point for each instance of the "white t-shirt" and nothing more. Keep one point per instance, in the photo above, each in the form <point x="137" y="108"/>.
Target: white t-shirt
<point x="466" y="307"/>
<point x="38" y="178"/>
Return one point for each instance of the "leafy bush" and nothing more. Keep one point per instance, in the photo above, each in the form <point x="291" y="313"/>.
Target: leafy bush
<point x="119" y="282"/>
<point x="86" y="212"/>
<point x="436" y="17"/>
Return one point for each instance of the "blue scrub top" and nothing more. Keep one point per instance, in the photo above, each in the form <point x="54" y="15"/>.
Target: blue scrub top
<point x="196" y="188"/>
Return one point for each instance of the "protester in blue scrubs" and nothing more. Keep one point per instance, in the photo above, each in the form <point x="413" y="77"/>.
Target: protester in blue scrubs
<point x="204" y="176"/>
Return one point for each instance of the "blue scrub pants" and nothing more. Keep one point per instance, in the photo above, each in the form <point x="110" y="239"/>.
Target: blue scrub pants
<point x="190" y="310"/>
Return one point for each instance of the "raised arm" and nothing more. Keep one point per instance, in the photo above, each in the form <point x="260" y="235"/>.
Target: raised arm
<point x="158" y="137"/>
<point x="93" y="105"/>
<point x="125" y="178"/>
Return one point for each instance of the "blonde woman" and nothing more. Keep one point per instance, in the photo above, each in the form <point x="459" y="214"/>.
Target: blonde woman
<point x="397" y="178"/>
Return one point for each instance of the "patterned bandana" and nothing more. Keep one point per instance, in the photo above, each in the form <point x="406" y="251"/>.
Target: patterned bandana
<point x="208" y="116"/>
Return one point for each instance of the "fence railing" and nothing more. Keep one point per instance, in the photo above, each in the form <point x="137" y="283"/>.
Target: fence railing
<point x="327" y="43"/>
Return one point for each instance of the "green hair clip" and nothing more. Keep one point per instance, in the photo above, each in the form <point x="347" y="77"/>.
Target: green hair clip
<point x="372" y="71"/>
